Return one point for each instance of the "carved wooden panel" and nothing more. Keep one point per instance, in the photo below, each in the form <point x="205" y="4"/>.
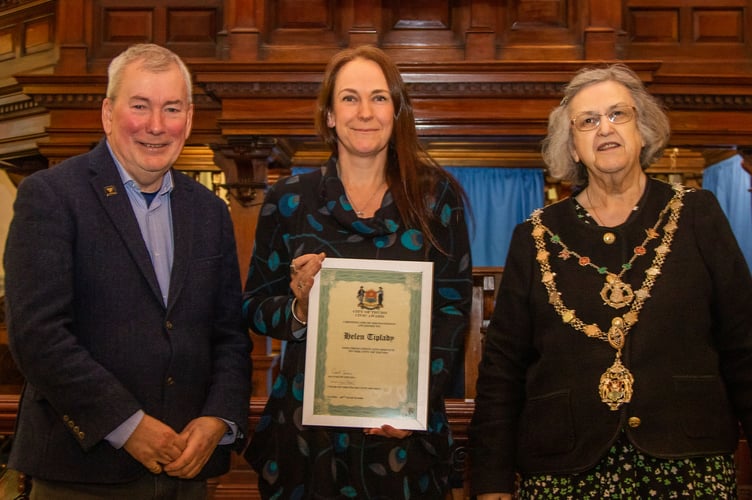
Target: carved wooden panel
<point x="26" y="30"/>
<point x="191" y="25"/>
<point x="433" y="28"/>
<point x="681" y="31"/>
<point x="125" y="26"/>
<point x="188" y="27"/>
<point x="7" y="44"/>
<point x="718" y="25"/>
<point x="540" y="29"/>
<point x="299" y="29"/>
<point x="38" y="34"/>
<point x="655" y="25"/>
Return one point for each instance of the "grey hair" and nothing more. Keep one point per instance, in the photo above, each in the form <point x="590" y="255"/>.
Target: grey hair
<point x="652" y="122"/>
<point x="153" y="58"/>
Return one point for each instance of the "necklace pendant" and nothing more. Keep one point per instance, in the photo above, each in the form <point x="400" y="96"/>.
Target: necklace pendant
<point x="609" y="238"/>
<point x="616" y="334"/>
<point x="616" y="383"/>
<point x="616" y="293"/>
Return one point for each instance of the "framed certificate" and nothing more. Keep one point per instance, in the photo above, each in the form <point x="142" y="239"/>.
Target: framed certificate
<point x="368" y="350"/>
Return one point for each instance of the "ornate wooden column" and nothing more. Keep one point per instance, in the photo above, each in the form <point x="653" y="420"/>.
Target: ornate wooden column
<point x="245" y="161"/>
<point x="603" y="30"/>
<point x="241" y="31"/>
<point x="72" y="37"/>
<point x="480" y="38"/>
<point x="364" y="29"/>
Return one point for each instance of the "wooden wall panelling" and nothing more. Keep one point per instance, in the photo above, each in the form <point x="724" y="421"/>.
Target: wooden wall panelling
<point x="73" y="28"/>
<point x="263" y="99"/>
<point x="541" y="29"/>
<point x="707" y="110"/>
<point x="491" y="99"/>
<point x="603" y="33"/>
<point x="239" y="40"/>
<point x="188" y="27"/>
<point x="692" y="36"/>
<point x="27" y="37"/>
<point x="480" y="37"/>
<point x="73" y="103"/>
<point x="303" y="30"/>
<point x="302" y="22"/>
<point x="432" y="29"/>
<point x="38" y="34"/>
<point x="364" y="26"/>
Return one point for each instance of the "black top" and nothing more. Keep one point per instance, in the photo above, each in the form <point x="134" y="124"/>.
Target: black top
<point x="538" y="408"/>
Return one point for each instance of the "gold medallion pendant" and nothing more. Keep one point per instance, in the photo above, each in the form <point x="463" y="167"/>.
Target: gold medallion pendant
<point x="616" y="385"/>
<point x="616" y="293"/>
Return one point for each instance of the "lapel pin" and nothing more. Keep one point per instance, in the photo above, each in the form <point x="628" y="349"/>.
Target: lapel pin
<point x="110" y="191"/>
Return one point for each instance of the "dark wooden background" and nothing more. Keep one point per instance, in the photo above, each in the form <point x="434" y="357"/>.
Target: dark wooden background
<point x="483" y="76"/>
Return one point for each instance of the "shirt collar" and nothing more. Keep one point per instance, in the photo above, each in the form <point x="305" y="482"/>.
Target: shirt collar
<point x="129" y="183"/>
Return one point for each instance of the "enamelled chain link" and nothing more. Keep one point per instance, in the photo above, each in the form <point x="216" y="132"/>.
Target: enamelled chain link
<point x="616" y="383"/>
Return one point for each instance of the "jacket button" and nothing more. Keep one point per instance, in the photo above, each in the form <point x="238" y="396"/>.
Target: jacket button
<point x="634" y="422"/>
<point x="170" y="381"/>
<point x="168" y="325"/>
<point x="81" y="435"/>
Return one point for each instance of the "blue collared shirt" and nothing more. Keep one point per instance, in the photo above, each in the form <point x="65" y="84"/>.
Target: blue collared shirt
<point x="155" y="222"/>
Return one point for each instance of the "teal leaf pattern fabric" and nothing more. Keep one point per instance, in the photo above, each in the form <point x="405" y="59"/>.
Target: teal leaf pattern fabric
<point x="309" y="213"/>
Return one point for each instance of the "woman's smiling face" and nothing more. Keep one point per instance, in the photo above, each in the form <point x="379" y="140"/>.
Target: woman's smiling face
<point x="362" y="110"/>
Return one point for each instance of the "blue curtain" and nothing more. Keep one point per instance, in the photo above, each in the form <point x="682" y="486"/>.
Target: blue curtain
<point x="730" y="184"/>
<point x="499" y="198"/>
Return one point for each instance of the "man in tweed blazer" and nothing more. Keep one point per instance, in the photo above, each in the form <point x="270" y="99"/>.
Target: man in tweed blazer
<point x="124" y="304"/>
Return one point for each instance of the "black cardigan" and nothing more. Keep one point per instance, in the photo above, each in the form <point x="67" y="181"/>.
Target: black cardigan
<point x="538" y="409"/>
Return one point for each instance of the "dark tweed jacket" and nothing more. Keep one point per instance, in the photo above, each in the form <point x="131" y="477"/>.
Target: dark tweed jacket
<point x="89" y="330"/>
<point x="538" y="409"/>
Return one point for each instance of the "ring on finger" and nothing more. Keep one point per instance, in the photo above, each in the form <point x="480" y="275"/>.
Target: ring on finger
<point x="293" y="269"/>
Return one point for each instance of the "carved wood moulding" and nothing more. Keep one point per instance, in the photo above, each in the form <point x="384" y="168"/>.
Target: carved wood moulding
<point x="708" y="101"/>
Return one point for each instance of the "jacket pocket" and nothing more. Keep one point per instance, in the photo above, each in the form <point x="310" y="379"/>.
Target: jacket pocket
<point x="547" y="425"/>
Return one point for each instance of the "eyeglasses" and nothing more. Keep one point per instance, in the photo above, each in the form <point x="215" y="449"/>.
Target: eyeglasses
<point x="589" y="120"/>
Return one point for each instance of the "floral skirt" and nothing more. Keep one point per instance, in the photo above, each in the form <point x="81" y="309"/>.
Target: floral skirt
<point x="626" y="473"/>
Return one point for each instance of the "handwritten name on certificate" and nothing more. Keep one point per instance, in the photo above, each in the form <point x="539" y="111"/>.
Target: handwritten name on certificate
<point x="368" y="344"/>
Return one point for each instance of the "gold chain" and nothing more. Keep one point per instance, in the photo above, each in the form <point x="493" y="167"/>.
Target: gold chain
<point x="616" y="383"/>
<point x="615" y="292"/>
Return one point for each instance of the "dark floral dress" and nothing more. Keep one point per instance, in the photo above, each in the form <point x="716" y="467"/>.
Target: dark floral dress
<point x="310" y="213"/>
<point x="625" y="473"/>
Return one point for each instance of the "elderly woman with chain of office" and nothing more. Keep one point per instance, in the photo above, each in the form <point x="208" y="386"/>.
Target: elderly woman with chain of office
<point x="618" y="361"/>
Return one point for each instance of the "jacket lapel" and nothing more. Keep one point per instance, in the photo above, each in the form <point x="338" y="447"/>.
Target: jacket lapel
<point x="182" y="229"/>
<point x="109" y="189"/>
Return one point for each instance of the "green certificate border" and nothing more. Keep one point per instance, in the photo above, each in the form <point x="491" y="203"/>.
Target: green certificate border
<point x="367" y="352"/>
